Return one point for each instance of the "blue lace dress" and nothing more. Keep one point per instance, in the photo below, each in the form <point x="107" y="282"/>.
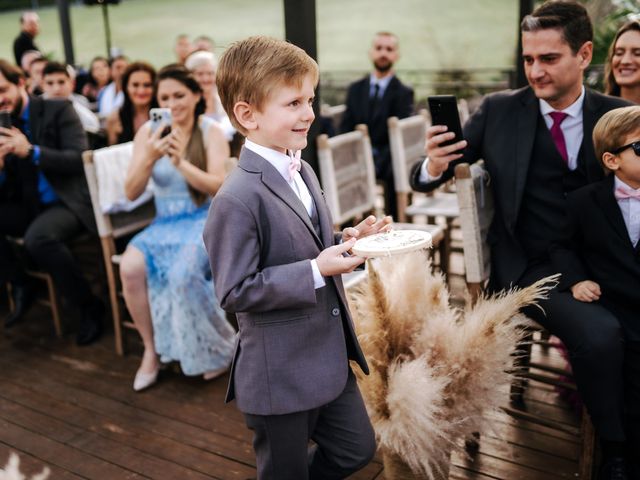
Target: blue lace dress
<point x="189" y="325"/>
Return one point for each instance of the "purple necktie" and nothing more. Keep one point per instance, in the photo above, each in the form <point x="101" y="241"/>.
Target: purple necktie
<point x="557" y="135"/>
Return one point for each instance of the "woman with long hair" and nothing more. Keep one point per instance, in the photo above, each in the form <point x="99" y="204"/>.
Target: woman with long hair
<point x="99" y="77"/>
<point x="165" y="271"/>
<point x="137" y="85"/>
<point x="622" y="70"/>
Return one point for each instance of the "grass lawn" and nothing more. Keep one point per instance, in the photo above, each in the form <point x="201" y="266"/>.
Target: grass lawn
<point x="433" y="33"/>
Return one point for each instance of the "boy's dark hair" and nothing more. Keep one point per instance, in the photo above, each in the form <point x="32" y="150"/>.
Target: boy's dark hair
<point x="12" y="73"/>
<point x="567" y="16"/>
<point x="55" y="67"/>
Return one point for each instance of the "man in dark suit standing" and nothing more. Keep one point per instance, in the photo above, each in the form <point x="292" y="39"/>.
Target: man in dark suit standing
<point x="372" y="100"/>
<point x="29" y="29"/>
<point x="536" y="144"/>
<point x="44" y="196"/>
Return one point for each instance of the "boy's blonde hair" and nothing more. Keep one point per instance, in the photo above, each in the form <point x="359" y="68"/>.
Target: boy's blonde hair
<point x="252" y="68"/>
<point x="612" y="129"/>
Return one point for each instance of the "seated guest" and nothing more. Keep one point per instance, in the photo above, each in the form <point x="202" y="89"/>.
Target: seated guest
<point x="44" y="197"/>
<point x="182" y="48"/>
<point x="622" y="70"/>
<point x="34" y="63"/>
<point x="111" y="96"/>
<point x="203" y="43"/>
<point x="204" y="66"/>
<point x="58" y="82"/>
<point x="99" y="77"/>
<point x="598" y="255"/>
<point x="165" y="271"/>
<point x="123" y="123"/>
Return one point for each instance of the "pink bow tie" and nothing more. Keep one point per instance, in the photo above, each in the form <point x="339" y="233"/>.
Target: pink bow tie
<point x="295" y="164"/>
<point x="622" y="193"/>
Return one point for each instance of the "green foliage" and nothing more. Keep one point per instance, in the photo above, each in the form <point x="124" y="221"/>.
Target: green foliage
<point x="605" y="29"/>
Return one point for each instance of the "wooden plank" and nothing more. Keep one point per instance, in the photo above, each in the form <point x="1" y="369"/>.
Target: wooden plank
<point x="30" y="465"/>
<point x="60" y="455"/>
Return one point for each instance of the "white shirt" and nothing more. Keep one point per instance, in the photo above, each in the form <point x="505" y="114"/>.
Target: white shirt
<point x="281" y="162"/>
<point x="110" y="100"/>
<point x="571" y="126"/>
<point x="630" y="208"/>
<point x="571" y="129"/>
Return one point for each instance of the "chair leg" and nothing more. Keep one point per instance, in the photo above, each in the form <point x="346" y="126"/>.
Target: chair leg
<point x="402" y="199"/>
<point x="12" y="305"/>
<point x="521" y="362"/>
<point x="53" y="302"/>
<point x="588" y="446"/>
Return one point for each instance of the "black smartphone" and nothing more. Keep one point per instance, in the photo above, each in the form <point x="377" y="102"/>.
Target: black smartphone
<point x="5" y="119"/>
<point x="444" y="111"/>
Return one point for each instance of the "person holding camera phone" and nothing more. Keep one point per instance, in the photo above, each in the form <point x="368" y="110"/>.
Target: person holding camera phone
<point x="536" y="144"/>
<point x="165" y="270"/>
<point x="44" y="198"/>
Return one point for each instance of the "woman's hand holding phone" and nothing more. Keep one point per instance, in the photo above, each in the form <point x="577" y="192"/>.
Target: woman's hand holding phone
<point x="177" y="145"/>
<point x="156" y="145"/>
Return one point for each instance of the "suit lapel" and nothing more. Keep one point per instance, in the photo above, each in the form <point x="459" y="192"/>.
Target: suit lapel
<point x="35" y="123"/>
<point x="611" y="209"/>
<point x="526" y="125"/>
<point x="272" y="179"/>
<point x="590" y="116"/>
<point x="326" y="228"/>
<point x="364" y="97"/>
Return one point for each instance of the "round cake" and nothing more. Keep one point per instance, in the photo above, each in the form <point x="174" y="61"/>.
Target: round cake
<point x="391" y="243"/>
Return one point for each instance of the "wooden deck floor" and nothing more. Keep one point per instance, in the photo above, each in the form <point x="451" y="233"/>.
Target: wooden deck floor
<point x="73" y="410"/>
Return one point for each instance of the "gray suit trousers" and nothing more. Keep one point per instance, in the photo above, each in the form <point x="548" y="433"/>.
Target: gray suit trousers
<point x="344" y="440"/>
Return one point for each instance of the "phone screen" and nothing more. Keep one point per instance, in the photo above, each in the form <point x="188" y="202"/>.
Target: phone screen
<point x="444" y="111"/>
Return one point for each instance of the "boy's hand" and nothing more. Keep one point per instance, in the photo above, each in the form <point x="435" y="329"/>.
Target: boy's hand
<point x="368" y="226"/>
<point x="586" y="291"/>
<point x="332" y="262"/>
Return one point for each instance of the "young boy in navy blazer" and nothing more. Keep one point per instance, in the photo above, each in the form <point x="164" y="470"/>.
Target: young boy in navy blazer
<point x="277" y="264"/>
<point x="599" y="256"/>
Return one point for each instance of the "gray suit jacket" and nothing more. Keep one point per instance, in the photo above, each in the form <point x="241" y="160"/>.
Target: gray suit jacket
<point x="294" y="341"/>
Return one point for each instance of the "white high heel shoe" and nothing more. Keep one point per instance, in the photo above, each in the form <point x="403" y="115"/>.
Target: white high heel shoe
<point x="145" y="380"/>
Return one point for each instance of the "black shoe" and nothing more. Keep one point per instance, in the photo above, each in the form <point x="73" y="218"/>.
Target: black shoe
<point x="91" y="323"/>
<point x="22" y="298"/>
<point x="615" y="468"/>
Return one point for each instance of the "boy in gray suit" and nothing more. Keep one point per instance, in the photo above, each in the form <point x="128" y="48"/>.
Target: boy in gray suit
<point x="277" y="264"/>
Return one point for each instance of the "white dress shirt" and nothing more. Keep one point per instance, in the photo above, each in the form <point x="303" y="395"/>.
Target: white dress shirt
<point x="281" y="162"/>
<point x="630" y="208"/>
<point x="571" y="129"/>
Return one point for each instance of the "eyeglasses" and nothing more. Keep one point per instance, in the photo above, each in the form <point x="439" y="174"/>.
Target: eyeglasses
<point x="635" y="145"/>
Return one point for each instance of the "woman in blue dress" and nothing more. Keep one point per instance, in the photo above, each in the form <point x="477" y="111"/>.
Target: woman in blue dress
<point x="165" y="272"/>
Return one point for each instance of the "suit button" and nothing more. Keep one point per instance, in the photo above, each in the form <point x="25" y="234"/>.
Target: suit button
<point x="335" y="312"/>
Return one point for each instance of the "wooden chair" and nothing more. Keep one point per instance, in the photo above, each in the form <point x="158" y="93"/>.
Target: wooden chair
<point x="112" y="227"/>
<point x="476" y="212"/>
<point x="335" y="113"/>
<point x="348" y="179"/>
<point x="406" y="140"/>
<point x="51" y="300"/>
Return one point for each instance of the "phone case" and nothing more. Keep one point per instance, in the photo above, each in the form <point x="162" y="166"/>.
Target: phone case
<point x="444" y="111"/>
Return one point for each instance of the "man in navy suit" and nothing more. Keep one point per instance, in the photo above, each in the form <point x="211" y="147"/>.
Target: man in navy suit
<point x="372" y="100"/>
<point x="537" y="148"/>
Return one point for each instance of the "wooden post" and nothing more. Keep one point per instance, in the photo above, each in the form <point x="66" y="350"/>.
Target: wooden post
<point x="300" y="29"/>
<point x="65" y="28"/>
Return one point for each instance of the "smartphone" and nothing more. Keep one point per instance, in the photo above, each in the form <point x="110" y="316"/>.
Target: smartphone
<point x="444" y="111"/>
<point x="160" y="116"/>
<point x="5" y="119"/>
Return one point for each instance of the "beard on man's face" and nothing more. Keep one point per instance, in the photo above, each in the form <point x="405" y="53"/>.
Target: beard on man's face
<point x="383" y="65"/>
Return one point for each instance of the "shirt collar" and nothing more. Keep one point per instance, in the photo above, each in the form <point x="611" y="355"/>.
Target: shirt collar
<point x="617" y="183"/>
<point x="574" y="110"/>
<point x="382" y="82"/>
<point x="279" y="160"/>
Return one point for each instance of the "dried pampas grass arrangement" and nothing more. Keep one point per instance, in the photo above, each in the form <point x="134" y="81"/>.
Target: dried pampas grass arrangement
<point x="12" y="471"/>
<point x="435" y="371"/>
